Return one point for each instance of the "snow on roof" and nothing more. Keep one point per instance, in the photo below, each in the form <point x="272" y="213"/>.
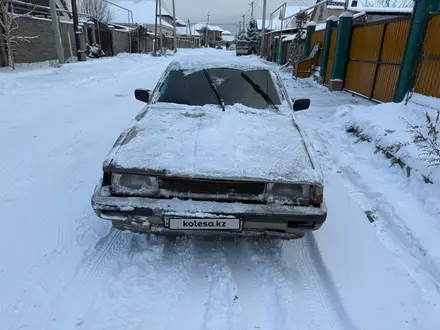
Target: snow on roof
<point x="291" y="37"/>
<point x="144" y="12"/>
<point x="384" y="10"/>
<point x="202" y="26"/>
<point x="226" y="33"/>
<point x="192" y="63"/>
<point x="186" y="31"/>
<point x="178" y="21"/>
<point x="320" y="27"/>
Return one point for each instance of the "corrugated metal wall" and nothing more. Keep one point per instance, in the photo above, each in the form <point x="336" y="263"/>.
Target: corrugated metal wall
<point x="375" y="58"/>
<point x="427" y="81"/>
<point x="331" y="54"/>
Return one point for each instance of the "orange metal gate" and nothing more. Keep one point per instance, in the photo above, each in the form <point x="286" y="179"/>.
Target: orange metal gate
<point x="375" y="58"/>
<point x="317" y="36"/>
<point x="427" y="80"/>
<point x="331" y="54"/>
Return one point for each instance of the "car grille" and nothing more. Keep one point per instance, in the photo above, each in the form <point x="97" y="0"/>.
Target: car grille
<point x="212" y="187"/>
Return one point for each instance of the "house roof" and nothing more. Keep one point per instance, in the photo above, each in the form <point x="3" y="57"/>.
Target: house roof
<point x="226" y="33"/>
<point x="185" y="31"/>
<point x="144" y="12"/>
<point x="178" y="21"/>
<point x="202" y="26"/>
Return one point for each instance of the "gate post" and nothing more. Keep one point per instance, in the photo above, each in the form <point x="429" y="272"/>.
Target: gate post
<point x="414" y="45"/>
<point x="311" y="26"/>
<point x="112" y="35"/>
<point x="82" y="43"/>
<point x="332" y="22"/>
<point x="93" y="27"/>
<point x="341" y="52"/>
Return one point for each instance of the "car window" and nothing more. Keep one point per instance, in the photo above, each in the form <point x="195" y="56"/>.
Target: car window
<point x="194" y="89"/>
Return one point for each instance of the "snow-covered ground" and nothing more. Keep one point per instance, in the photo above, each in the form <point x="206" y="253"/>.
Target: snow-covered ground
<point x="63" y="268"/>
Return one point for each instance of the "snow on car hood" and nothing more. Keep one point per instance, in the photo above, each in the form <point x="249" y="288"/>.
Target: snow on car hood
<point x="206" y="142"/>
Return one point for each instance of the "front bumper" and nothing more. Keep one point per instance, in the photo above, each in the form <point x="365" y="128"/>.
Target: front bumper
<point x="147" y="215"/>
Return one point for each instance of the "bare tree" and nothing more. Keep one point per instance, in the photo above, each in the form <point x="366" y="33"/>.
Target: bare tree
<point x="9" y="23"/>
<point x="295" y="49"/>
<point x="388" y="3"/>
<point x="98" y="9"/>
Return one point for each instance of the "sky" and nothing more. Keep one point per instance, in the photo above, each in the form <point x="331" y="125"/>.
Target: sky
<point x="226" y="13"/>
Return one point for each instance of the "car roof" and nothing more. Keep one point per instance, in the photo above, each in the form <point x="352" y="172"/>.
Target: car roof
<point x="199" y="62"/>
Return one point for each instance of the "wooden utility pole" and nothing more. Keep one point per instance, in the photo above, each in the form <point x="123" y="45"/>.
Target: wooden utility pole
<point x="206" y="30"/>
<point x="76" y="30"/>
<point x="252" y="9"/>
<point x="190" y="34"/>
<point x="160" y="27"/>
<point x="174" y="27"/>
<point x="263" y="29"/>
<point x="56" y="32"/>
<point x="155" y="29"/>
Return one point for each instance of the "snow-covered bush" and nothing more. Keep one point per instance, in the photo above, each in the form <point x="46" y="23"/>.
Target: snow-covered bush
<point x="427" y="139"/>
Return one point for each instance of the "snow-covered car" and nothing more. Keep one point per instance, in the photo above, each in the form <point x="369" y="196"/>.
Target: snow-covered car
<point x="243" y="47"/>
<point x="216" y="151"/>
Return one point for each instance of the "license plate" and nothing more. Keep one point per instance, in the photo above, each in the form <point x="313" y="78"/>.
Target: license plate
<point x="204" y="223"/>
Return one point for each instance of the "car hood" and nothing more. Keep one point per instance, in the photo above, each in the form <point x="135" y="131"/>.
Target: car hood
<point x="206" y="142"/>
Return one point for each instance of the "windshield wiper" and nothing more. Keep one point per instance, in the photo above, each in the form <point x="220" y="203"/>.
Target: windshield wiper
<point x="258" y="89"/>
<point x="215" y="89"/>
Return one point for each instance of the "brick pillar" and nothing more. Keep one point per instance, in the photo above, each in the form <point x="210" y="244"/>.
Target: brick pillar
<point x="82" y="45"/>
<point x="112" y="30"/>
<point x="86" y="33"/>
<point x="93" y="27"/>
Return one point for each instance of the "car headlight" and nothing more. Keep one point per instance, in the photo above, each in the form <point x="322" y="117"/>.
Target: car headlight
<point x="296" y="193"/>
<point x="134" y="184"/>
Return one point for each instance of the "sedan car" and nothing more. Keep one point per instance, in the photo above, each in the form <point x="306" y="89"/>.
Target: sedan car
<point x="215" y="151"/>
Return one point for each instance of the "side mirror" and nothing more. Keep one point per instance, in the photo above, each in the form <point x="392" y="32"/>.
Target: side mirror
<point x="142" y="95"/>
<point x="300" y="104"/>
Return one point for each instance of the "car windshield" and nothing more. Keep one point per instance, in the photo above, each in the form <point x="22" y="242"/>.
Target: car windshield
<point x="195" y="89"/>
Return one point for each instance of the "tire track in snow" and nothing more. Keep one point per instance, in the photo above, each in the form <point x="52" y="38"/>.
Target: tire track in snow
<point x="390" y="227"/>
<point x="221" y="310"/>
<point x="86" y="280"/>
<point x="302" y="285"/>
<point x="395" y="235"/>
<point x="254" y="292"/>
<point x="144" y="293"/>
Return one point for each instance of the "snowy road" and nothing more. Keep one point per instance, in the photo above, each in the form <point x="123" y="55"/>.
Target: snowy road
<point x="63" y="268"/>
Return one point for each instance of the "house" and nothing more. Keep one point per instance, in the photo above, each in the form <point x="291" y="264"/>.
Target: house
<point x="362" y="14"/>
<point x="211" y="33"/>
<point x="189" y="33"/>
<point x="227" y="36"/>
<point x="144" y="13"/>
<point x="186" y="31"/>
<point x="180" y="22"/>
<point x="31" y="8"/>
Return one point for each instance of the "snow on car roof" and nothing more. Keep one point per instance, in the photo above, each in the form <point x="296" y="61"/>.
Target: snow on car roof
<point x="195" y="63"/>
